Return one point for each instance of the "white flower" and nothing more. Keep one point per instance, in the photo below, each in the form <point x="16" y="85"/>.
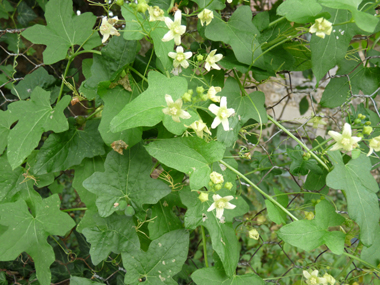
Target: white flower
<point x="156" y="14"/>
<point x="254" y="234"/>
<point x="206" y="16"/>
<point x="374" y="145"/>
<point x="345" y="140"/>
<point x="229" y="1"/>
<point x="321" y="28"/>
<point x="313" y="279"/>
<point x="211" y="60"/>
<point x="199" y="127"/>
<point x="216" y="178"/>
<point x="174" y="109"/>
<point x="221" y="203"/>
<point x="222" y="114"/>
<point x="180" y="58"/>
<point x="329" y="279"/>
<point x="176" y="70"/>
<point x="175" y="28"/>
<point x="107" y="29"/>
<point x="316" y="120"/>
<point x="212" y="92"/>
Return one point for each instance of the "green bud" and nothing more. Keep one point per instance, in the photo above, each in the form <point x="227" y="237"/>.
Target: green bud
<point x="367" y="130"/>
<point x="204" y="98"/>
<point x="203" y="197"/>
<point x="199" y="57"/>
<point x="306" y="156"/>
<point x="210" y="184"/>
<point x="119" y="2"/>
<point x="186" y="97"/>
<point x="200" y="90"/>
<point x="218" y="187"/>
<point x="190" y="91"/>
<point x="357" y="121"/>
<point x="360" y="135"/>
<point x="228" y="185"/>
<point x="142" y="6"/>
<point x="368" y="123"/>
<point x="122" y="205"/>
<point x="363" y="117"/>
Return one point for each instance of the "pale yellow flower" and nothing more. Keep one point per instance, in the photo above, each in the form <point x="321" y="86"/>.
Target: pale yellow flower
<point x="329" y="279"/>
<point x="176" y="30"/>
<point x="321" y="28"/>
<point x="254" y="234"/>
<point x="107" y="28"/>
<point x="222" y="114"/>
<point x="221" y="203"/>
<point x="180" y="57"/>
<point x="211" y="60"/>
<point x="212" y="92"/>
<point x="156" y="14"/>
<point x="206" y="16"/>
<point x="174" y="109"/>
<point x="199" y="127"/>
<point x="309" y="215"/>
<point x="345" y="140"/>
<point x="313" y="279"/>
<point x="374" y="145"/>
<point x="216" y="178"/>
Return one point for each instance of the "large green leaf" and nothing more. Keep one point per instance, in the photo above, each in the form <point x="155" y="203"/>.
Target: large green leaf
<point x="6" y="121"/>
<point x="35" y="117"/>
<point x="10" y="179"/>
<point x="308" y="235"/>
<point x="126" y="177"/>
<point x="74" y="280"/>
<point x="299" y="11"/>
<point x="114" y="101"/>
<point x="213" y="276"/>
<point x="164" y="259"/>
<point x="162" y="48"/>
<point x="146" y="109"/>
<point x="372" y="254"/>
<point x="63" y="30"/>
<point x="223" y="237"/>
<point x="360" y="188"/>
<point x="211" y="4"/>
<point x="29" y="233"/>
<point x="115" y="233"/>
<point x="64" y="150"/>
<point x="190" y="155"/>
<point x="240" y="33"/>
<point x="246" y="107"/>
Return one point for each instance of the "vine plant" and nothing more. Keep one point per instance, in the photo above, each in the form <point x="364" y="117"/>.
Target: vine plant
<point x="168" y="159"/>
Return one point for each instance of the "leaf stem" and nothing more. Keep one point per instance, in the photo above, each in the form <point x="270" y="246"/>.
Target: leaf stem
<point x="94" y="113"/>
<point x="299" y="142"/>
<point x="361" y="260"/>
<point x="259" y="190"/>
<point x="74" y="209"/>
<point x="64" y="77"/>
<point x="204" y="245"/>
<point x="276" y="21"/>
<point x="87" y="51"/>
<point x="138" y="73"/>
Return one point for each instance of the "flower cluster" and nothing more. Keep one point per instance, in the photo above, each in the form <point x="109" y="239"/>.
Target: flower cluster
<point x="156" y="14"/>
<point x="321" y="28"/>
<point x="313" y="279"/>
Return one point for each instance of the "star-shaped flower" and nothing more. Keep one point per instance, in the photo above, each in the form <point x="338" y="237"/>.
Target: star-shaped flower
<point x="221" y="203"/>
<point x="199" y="127"/>
<point x="174" y="109"/>
<point x="212" y="92"/>
<point x="107" y="28"/>
<point x="345" y="140"/>
<point x="374" y="145"/>
<point x="222" y="114"/>
<point x="180" y="57"/>
<point x="176" y="30"/>
<point x="206" y="16"/>
<point x="313" y="279"/>
<point x="211" y="60"/>
<point x="216" y="177"/>
<point x="156" y="14"/>
<point x="254" y="234"/>
<point x="329" y="279"/>
<point x="321" y="28"/>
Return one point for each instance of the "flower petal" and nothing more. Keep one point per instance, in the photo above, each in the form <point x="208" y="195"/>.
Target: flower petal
<point x="335" y="135"/>
<point x="219" y="212"/>
<point x="172" y="54"/>
<point x="179" y="49"/>
<point x="215" y="123"/>
<point x="168" y="99"/>
<point x="226" y="124"/>
<point x="223" y="102"/>
<point x="346" y="130"/>
<point x="168" y="22"/>
<point x="214" y="109"/>
<point x="184" y="115"/>
<point x="212" y="207"/>
<point x="168" y="36"/>
<point x="229" y="206"/>
<point x="178" y="16"/>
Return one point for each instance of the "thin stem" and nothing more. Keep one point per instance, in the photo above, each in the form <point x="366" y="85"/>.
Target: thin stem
<point x="276" y="21"/>
<point x="259" y="190"/>
<point x="88" y="51"/>
<point x="204" y="245"/>
<point x="267" y="168"/>
<point x="138" y="73"/>
<point x="74" y="209"/>
<point x="64" y="77"/>
<point x="299" y="142"/>
<point x="361" y="260"/>
<point x="94" y="113"/>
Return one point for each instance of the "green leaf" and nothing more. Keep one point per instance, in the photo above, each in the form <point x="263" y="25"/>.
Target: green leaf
<point x="3" y="278"/>
<point x="308" y="235"/>
<point x="372" y="254"/>
<point x="213" y="276"/>
<point x="133" y="29"/>
<point x="299" y="11"/>
<point x="161" y="262"/>
<point x="146" y="109"/>
<point x="210" y="4"/>
<point x="112" y="234"/>
<point x="247" y="107"/>
<point x="299" y="164"/>
<point x="25" y="14"/>
<point x="9" y="179"/>
<point x="64" y="150"/>
<point x="63" y="30"/>
<point x="364" y="21"/>
<point x="126" y="177"/>
<point x="114" y="101"/>
<point x="304" y="105"/>
<point x="40" y="77"/>
<point x="223" y="236"/>
<point x="42" y="180"/>
<point x="301" y="56"/>
<point x="336" y="92"/>
<point x="28" y="233"/>
<point x="35" y="117"/>
<point x="6" y="121"/>
<point x="360" y="188"/>
<point x="162" y="48"/>
<point x="164" y="218"/>
<point x="240" y="33"/>
<point x="190" y="155"/>
<point x="5" y="7"/>
<point x="74" y="280"/>
<point x="275" y="214"/>
<point x="327" y="52"/>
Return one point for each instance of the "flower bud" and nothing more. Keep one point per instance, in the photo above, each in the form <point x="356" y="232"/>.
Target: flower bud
<point x="368" y="123"/>
<point x="367" y="130"/>
<point x="119" y="2"/>
<point x="216" y="178"/>
<point x="360" y="135"/>
<point x="306" y="156"/>
<point x="254" y="234"/>
<point x="357" y="121"/>
<point x="261" y="219"/>
<point x="204" y="97"/>
<point x="200" y="90"/>
<point x="142" y="6"/>
<point x="199" y="57"/>
<point x="203" y="197"/>
<point x="186" y="97"/>
<point x="228" y="185"/>
<point x="309" y="215"/>
<point x="190" y="91"/>
<point x="218" y="187"/>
